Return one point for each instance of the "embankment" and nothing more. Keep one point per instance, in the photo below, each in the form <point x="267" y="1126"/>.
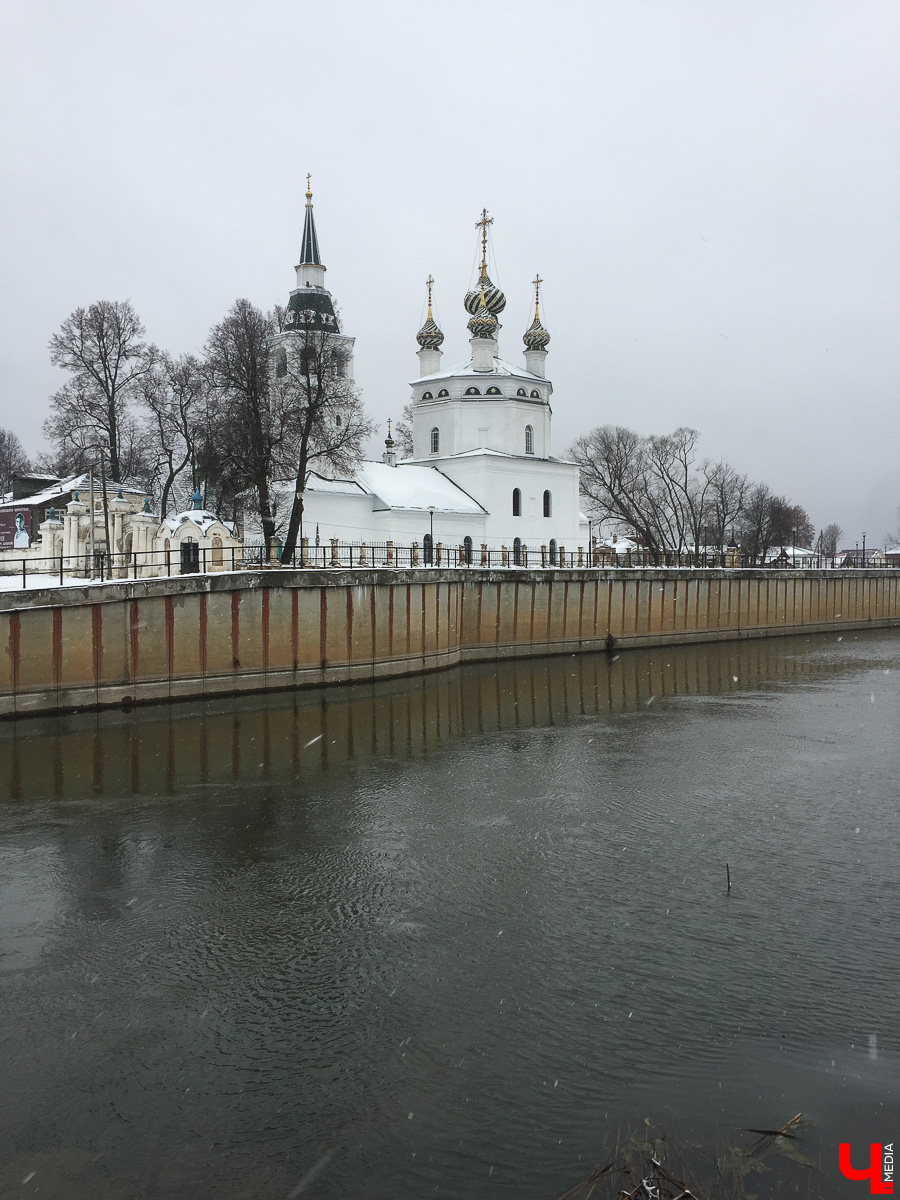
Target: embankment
<point x="147" y="641"/>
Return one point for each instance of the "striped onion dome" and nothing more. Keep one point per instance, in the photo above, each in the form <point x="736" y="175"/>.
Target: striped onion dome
<point x="536" y="336"/>
<point x="483" y="323"/>
<point x="429" y="336"/>
<point x="493" y="299"/>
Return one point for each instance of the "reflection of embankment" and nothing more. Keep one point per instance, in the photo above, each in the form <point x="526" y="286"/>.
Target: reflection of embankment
<point x="159" y="751"/>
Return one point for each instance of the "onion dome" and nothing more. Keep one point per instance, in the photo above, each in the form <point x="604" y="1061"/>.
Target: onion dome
<point x="536" y="336"/>
<point x="429" y="336"/>
<point x="483" y="323"/>
<point x="492" y="298"/>
<point x="485" y="294"/>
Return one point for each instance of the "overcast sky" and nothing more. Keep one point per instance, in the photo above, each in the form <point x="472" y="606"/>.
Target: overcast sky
<point x="709" y="188"/>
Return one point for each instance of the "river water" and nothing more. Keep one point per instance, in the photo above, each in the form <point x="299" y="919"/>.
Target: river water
<point x="454" y="935"/>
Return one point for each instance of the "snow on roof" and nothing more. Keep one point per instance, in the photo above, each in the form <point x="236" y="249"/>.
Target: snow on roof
<point x="75" y="483"/>
<point x="202" y="519"/>
<point x="414" y="487"/>
<point x="501" y="367"/>
<point x="340" y="487"/>
<point x="484" y="451"/>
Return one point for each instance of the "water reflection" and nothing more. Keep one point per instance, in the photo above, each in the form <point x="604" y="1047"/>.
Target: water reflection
<point x="161" y="750"/>
<point x="452" y="930"/>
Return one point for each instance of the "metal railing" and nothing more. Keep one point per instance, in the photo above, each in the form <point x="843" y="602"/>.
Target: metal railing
<point x="154" y="564"/>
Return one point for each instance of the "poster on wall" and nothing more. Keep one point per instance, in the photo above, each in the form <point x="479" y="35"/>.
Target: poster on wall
<point x="14" y="529"/>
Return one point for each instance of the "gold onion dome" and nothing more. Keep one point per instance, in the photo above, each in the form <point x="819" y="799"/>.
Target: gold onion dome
<point x="429" y="336"/>
<point x="536" y="336"/>
<point x="483" y="323"/>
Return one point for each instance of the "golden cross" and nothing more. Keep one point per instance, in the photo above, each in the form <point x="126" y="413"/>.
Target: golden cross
<point x="389" y="426"/>
<point x="428" y="283"/>
<point x="537" y="281"/>
<point x="483" y="226"/>
<point x="308" y="192"/>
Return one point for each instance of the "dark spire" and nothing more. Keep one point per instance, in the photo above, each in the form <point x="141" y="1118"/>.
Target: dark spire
<point x="309" y="252"/>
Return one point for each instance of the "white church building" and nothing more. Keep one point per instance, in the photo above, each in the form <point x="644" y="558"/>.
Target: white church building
<point x="482" y="472"/>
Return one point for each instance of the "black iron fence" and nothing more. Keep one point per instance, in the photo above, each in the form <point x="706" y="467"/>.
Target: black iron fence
<point x="189" y="558"/>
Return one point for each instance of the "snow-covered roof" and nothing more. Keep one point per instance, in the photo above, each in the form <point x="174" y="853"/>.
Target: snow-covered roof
<point x="335" y="487"/>
<point x="485" y="452"/>
<point x="200" y="517"/>
<point x="414" y="487"/>
<point x="501" y="367"/>
<point x="75" y="483"/>
<point x="406" y="486"/>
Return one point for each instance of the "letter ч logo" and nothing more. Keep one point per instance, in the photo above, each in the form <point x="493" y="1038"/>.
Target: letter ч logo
<point x="880" y="1171"/>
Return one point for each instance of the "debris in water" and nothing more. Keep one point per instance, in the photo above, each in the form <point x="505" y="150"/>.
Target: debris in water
<point x="312" y="741"/>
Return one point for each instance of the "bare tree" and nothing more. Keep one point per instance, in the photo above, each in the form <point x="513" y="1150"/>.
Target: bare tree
<point x="248" y="420"/>
<point x="103" y="350"/>
<point x="651" y="486"/>
<point x="727" y="493"/>
<point x="829" y="540"/>
<point x="329" y="427"/>
<point x="173" y="394"/>
<point x="13" y="459"/>
<point x="403" y="433"/>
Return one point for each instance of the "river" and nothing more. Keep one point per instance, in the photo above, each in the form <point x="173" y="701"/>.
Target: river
<point x="453" y="935"/>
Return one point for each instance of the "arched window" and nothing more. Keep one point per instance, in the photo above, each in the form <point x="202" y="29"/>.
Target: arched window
<point x="548" y="504"/>
<point x="529" y="440"/>
<point x="517" y="502"/>
<point x="467" y="546"/>
<point x="427" y="396"/>
<point x="521" y="392"/>
<point x="473" y="391"/>
<point x="281" y="362"/>
<point x="493" y="391"/>
<point x="517" y="552"/>
<point x="535" y="395"/>
<point x="435" y="440"/>
<point x="443" y="392"/>
<point x="554" y="556"/>
<point x="428" y="550"/>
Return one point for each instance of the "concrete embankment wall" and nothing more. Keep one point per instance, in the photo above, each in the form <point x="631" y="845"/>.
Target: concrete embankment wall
<point x="196" y="636"/>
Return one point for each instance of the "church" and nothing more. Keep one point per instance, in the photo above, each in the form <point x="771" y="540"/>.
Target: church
<point x="481" y="472"/>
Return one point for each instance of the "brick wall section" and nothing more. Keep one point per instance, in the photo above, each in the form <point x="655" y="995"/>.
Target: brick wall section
<point x="126" y="643"/>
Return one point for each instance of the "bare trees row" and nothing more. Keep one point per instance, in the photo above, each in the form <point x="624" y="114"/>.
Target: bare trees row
<point x="253" y="412"/>
<point x="659" y="490"/>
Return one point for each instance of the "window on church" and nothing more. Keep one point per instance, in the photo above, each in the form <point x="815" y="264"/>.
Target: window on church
<point x="529" y="440"/>
<point x="517" y="502"/>
<point x="554" y="553"/>
<point x="521" y="392"/>
<point x="548" y="504"/>
<point x="535" y="395"/>
<point x="493" y="391"/>
<point x="427" y="396"/>
<point x="467" y="549"/>
<point x="517" y="552"/>
<point x="473" y="391"/>
<point x="435" y="440"/>
<point x="443" y="392"/>
<point x="281" y="362"/>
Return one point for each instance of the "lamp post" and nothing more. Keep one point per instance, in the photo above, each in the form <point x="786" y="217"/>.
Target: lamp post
<point x="864" y="548"/>
<point x="431" y="535"/>
<point x="590" y="544"/>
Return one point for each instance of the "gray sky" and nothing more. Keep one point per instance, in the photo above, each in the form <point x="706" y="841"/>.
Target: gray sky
<point x="709" y="188"/>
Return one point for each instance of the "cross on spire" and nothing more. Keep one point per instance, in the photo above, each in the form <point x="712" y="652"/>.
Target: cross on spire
<point x="537" y="281"/>
<point x="483" y="226"/>
<point x="308" y="188"/>
<point x="429" y="283"/>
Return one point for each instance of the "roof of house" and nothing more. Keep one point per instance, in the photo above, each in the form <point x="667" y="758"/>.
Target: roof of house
<point x="62" y="487"/>
<point x="406" y="486"/>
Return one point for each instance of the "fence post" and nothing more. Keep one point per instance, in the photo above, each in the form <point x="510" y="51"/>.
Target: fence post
<point x="390" y="554"/>
<point x="60" y="569"/>
<point x="24" y="584"/>
<point x="363" y="560"/>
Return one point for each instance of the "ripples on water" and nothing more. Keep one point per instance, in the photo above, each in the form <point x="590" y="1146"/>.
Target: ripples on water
<point x="457" y="930"/>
